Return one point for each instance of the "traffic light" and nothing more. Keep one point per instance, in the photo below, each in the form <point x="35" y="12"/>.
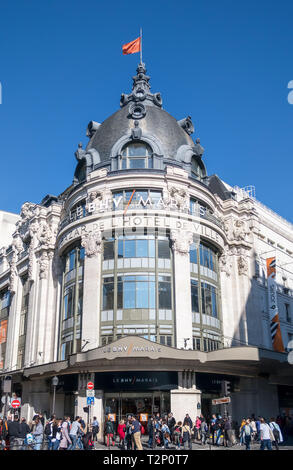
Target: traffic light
<point x="86" y="409"/>
<point x="226" y="388"/>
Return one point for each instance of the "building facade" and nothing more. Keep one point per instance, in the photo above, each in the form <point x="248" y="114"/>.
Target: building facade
<point x="147" y="277"/>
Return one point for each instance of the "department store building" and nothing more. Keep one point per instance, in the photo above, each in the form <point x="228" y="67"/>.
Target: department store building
<point x="147" y="277"/>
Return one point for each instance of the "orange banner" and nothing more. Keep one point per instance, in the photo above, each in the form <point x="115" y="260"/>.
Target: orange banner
<point x="273" y="306"/>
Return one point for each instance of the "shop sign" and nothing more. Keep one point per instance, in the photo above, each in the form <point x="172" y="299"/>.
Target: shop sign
<point x="136" y="380"/>
<point x="112" y="416"/>
<point x="133" y="348"/>
<point x="221" y="401"/>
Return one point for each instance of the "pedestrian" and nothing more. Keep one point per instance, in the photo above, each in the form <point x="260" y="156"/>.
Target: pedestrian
<point x="247" y="432"/>
<point x="196" y="429"/>
<point x="241" y="436"/>
<point x="128" y="433"/>
<point x="171" y="423"/>
<point x="3" y="434"/>
<point x="95" y="428"/>
<point x="136" y="433"/>
<point x="65" y="439"/>
<point x="121" y="433"/>
<point x="151" y="431"/>
<point x="266" y="435"/>
<point x="73" y="433"/>
<point x="186" y="434"/>
<point x="165" y="434"/>
<point x="110" y="432"/>
<point x="276" y="432"/>
<point x="178" y="434"/>
<point x="13" y="433"/>
<point x="38" y="434"/>
<point x="48" y="432"/>
<point x="203" y="431"/>
<point x="56" y="434"/>
<point x="219" y="429"/>
<point x="24" y="430"/>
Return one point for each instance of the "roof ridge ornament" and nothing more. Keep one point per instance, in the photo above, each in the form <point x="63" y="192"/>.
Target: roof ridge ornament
<point x="141" y="90"/>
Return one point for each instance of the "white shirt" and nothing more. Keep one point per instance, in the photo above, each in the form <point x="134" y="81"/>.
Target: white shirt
<point x="265" y="431"/>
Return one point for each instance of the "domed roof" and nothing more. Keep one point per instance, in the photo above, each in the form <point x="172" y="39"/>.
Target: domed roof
<point x="141" y="118"/>
<point x="156" y="122"/>
<point x="145" y="107"/>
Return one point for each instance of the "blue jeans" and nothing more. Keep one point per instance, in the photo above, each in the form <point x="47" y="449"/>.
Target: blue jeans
<point x="73" y="439"/>
<point x="38" y="444"/>
<point x="247" y="442"/>
<point x="151" y="439"/>
<point x="50" y="443"/>
<point x="219" y="431"/>
<point x="266" y="443"/>
<point x="56" y="445"/>
<point x="79" y="443"/>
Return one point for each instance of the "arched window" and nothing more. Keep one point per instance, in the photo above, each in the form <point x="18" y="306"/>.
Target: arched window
<point x="136" y="155"/>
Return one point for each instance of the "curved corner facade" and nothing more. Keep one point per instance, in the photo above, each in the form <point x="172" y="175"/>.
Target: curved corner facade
<point x="145" y="276"/>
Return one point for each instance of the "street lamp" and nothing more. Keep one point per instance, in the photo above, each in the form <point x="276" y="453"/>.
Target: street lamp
<point x="55" y="382"/>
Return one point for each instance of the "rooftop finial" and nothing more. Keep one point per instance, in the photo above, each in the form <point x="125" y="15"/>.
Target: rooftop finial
<point x="141" y="89"/>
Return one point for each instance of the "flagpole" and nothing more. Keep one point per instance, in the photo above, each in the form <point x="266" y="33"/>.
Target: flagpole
<point x="141" y="45"/>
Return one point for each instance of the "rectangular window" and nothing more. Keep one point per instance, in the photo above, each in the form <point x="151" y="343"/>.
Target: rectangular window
<point x="209" y="300"/>
<point x="109" y="250"/>
<point x="194" y="296"/>
<point x="164" y="249"/>
<point x="108" y="293"/>
<point x="165" y="299"/>
<point x="288" y="313"/>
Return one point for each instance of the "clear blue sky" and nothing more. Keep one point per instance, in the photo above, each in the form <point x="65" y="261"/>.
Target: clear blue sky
<point x="226" y="63"/>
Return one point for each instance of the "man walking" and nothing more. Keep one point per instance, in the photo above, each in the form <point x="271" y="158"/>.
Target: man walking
<point x="266" y="435"/>
<point x="74" y="429"/>
<point x="13" y="433"/>
<point x="136" y="433"/>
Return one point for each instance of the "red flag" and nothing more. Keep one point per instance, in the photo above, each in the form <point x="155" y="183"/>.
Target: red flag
<point x="131" y="47"/>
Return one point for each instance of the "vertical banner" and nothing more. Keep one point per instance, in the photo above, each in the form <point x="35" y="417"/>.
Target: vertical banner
<point x="273" y="307"/>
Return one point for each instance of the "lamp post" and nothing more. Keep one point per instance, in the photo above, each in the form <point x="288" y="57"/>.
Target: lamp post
<point x="55" y="382"/>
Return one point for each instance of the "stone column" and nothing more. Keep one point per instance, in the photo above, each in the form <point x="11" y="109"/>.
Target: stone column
<point x="92" y="242"/>
<point x="181" y="243"/>
<point x="186" y="398"/>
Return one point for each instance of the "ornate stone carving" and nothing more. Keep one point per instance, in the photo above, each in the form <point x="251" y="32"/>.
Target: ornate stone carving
<point x="176" y="197"/>
<point x="44" y="265"/>
<point x="242" y="266"/>
<point x="17" y="243"/>
<point x="98" y="200"/>
<point x="187" y="125"/>
<point x="225" y="262"/>
<point x="136" y="132"/>
<point x="87" y="159"/>
<point x="46" y="236"/>
<point x="181" y="240"/>
<point x="92" y="243"/>
<point x="13" y="272"/>
<point x="239" y="230"/>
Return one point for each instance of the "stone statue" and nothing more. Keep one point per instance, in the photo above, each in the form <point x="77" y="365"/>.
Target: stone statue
<point x="136" y="132"/>
<point x="92" y="243"/>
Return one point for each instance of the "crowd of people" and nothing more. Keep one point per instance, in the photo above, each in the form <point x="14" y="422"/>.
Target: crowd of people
<point x="161" y="432"/>
<point x="55" y="434"/>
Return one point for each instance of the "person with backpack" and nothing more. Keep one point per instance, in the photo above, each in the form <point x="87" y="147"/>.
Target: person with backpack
<point x="247" y="433"/>
<point x="128" y="432"/>
<point x="266" y="435"/>
<point x="110" y="432"/>
<point x="48" y="432"/>
<point x="186" y="434"/>
<point x="276" y="432"/>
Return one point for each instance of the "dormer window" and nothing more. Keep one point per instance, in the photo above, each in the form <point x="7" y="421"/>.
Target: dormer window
<point x="136" y="155"/>
<point x="196" y="169"/>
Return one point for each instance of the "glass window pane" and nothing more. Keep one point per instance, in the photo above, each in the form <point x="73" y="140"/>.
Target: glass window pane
<point x="108" y="295"/>
<point x="72" y="255"/>
<point x="109" y="250"/>
<point x="193" y="254"/>
<point x="120" y="295"/>
<point x="141" y="248"/>
<point x="163" y="249"/>
<point x="137" y="150"/>
<point x="151" y="244"/>
<point x="129" y="295"/>
<point x="152" y="295"/>
<point x="129" y="248"/>
<point x="136" y="163"/>
<point x="120" y="248"/>
<point x="194" y="297"/>
<point x="165" y="295"/>
<point x="142" y="295"/>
